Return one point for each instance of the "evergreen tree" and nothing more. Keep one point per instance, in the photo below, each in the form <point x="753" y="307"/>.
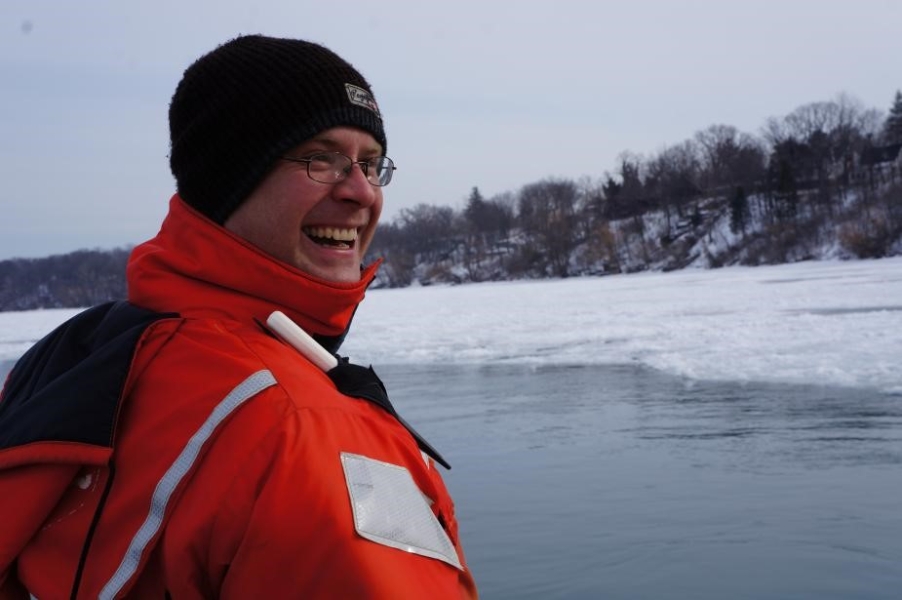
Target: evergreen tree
<point x="739" y="210"/>
<point x="474" y="250"/>
<point x="475" y="210"/>
<point x="892" y="129"/>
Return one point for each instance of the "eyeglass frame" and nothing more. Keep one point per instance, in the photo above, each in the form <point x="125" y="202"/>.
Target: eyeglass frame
<point x="343" y="174"/>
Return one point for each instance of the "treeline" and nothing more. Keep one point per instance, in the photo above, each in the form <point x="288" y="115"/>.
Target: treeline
<point x="826" y="174"/>
<point x="822" y="181"/>
<point x="81" y="278"/>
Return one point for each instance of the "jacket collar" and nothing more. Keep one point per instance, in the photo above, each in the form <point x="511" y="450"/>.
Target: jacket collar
<point x="199" y="269"/>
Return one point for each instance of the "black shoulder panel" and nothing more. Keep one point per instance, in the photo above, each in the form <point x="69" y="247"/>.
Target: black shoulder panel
<point x="67" y="387"/>
<point x="362" y="382"/>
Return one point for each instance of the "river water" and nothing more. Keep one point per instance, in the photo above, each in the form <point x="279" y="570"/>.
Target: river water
<point x="622" y="482"/>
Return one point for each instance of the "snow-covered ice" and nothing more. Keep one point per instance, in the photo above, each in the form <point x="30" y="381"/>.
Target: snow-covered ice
<point x="832" y="323"/>
<point x="835" y="323"/>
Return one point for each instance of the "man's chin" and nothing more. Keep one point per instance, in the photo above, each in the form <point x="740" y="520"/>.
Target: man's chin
<point x="334" y="273"/>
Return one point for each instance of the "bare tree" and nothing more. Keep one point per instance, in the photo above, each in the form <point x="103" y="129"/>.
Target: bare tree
<point x="673" y="176"/>
<point x="428" y="230"/>
<point x="831" y="134"/>
<point x="718" y="145"/>
<point x="731" y="158"/>
<point x="591" y="207"/>
<point x="547" y="214"/>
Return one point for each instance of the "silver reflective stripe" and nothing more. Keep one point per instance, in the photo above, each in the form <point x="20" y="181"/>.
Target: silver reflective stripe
<point x="247" y="389"/>
<point x="390" y="509"/>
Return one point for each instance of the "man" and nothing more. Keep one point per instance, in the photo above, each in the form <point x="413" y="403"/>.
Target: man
<point x="174" y="446"/>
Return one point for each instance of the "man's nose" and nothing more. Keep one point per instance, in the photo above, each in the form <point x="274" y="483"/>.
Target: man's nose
<point x="356" y="187"/>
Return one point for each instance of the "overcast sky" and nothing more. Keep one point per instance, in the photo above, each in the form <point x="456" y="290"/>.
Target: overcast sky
<point x="506" y="93"/>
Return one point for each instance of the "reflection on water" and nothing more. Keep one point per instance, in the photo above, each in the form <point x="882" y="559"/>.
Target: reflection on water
<point x="621" y="482"/>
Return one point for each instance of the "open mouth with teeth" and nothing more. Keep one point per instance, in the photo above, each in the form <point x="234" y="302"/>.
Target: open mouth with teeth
<point x="332" y="237"/>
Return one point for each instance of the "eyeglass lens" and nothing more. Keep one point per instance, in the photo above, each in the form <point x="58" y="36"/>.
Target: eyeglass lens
<point x="330" y="167"/>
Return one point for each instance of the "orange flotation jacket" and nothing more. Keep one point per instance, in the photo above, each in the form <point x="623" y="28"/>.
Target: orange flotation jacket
<point x="172" y="447"/>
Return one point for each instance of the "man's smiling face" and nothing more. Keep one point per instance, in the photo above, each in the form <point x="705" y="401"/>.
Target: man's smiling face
<point x="322" y="229"/>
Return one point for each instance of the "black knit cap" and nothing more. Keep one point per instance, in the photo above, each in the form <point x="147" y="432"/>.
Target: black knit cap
<point x="243" y="105"/>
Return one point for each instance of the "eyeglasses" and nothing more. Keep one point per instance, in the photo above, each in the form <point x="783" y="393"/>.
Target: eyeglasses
<point x="332" y="167"/>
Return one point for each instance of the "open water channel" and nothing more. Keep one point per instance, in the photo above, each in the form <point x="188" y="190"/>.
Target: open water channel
<point x="622" y="482"/>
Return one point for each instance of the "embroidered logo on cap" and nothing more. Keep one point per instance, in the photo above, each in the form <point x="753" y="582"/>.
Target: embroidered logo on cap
<point x="359" y="96"/>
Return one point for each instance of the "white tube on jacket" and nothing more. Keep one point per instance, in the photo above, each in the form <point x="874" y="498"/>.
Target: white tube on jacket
<point x="289" y="331"/>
